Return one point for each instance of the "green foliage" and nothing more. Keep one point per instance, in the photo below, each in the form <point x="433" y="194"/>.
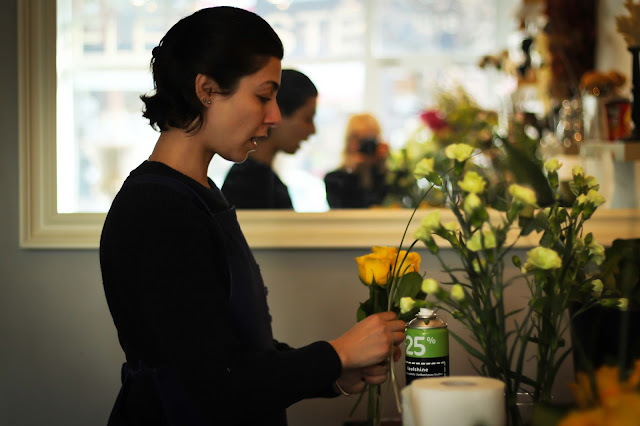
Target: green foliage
<point x="561" y="270"/>
<point x="507" y="157"/>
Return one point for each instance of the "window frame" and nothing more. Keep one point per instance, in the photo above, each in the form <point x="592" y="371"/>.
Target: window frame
<point x="42" y="227"/>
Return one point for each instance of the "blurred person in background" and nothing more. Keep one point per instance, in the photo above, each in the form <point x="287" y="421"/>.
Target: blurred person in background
<point x="360" y="181"/>
<point x="254" y="184"/>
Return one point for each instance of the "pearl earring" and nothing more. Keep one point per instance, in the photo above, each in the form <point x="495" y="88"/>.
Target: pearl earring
<point x="206" y="101"/>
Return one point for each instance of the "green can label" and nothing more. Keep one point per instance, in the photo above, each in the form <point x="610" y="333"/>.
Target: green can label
<point x="426" y="353"/>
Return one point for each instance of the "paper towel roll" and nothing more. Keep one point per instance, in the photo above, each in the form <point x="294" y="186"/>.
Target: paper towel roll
<point x="454" y="401"/>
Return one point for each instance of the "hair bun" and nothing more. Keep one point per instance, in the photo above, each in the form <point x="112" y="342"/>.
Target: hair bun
<point x="157" y="52"/>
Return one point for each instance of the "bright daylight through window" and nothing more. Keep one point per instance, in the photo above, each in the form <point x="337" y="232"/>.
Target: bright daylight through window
<point x="381" y="56"/>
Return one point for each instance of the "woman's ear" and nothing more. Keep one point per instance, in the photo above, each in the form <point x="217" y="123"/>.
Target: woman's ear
<point x="205" y="88"/>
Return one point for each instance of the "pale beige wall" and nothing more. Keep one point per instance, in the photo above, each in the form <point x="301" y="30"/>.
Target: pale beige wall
<point x="59" y="356"/>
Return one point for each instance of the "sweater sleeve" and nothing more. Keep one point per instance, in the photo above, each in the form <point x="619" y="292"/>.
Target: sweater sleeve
<point x="167" y="286"/>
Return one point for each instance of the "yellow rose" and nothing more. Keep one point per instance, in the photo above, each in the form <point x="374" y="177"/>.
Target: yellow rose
<point x="406" y="304"/>
<point x="373" y="268"/>
<point x="471" y="203"/>
<point x="472" y="183"/>
<point x="552" y="165"/>
<point x="429" y="286"/>
<point x="526" y="196"/>
<point x="577" y="170"/>
<point x="384" y="251"/>
<point x="475" y="243"/>
<point x="542" y="258"/>
<point x="457" y="292"/>
<point x="460" y="152"/>
<point x="423" y="168"/>
<point x="410" y="264"/>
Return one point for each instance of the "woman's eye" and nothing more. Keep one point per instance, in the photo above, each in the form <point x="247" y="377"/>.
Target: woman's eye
<point x="264" y="99"/>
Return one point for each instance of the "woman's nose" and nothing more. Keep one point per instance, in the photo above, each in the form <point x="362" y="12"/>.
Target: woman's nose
<point x="273" y="116"/>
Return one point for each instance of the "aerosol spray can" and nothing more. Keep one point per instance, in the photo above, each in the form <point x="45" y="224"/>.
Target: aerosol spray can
<point x="427" y="347"/>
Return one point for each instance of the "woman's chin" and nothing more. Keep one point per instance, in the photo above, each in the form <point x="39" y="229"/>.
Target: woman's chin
<point x="237" y="157"/>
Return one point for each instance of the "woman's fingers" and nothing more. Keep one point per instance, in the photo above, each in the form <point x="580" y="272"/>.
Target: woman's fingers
<point x="397" y="353"/>
<point x="370" y="341"/>
<point x="376" y="370"/>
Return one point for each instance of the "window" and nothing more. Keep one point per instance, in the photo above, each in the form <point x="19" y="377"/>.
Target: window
<point x="84" y="63"/>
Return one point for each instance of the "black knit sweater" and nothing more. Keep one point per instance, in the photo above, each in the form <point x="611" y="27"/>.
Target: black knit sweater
<point x="253" y="185"/>
<point x="166" y="281"/>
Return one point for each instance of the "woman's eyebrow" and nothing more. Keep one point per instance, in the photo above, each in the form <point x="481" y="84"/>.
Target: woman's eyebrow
<point x="274" y="85"/>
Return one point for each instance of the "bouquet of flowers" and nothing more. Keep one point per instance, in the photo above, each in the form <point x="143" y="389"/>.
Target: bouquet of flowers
<point x="560" y="270"/>
<point x="390" y="275"/>
<point x="456" y="118"/>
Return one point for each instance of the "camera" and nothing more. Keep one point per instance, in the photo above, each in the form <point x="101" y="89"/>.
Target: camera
<point x="368" y="146"/>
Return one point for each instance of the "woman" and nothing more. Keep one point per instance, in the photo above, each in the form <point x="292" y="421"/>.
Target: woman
<point x="253" y="184"/>
<point x="360" y="181"/>
<point x="183" y="288"/>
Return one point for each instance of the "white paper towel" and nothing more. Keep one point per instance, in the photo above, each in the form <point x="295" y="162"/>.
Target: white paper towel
<point x="454" y="401"/>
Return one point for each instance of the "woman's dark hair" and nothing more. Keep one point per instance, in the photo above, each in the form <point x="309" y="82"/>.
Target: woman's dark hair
<point x="224" y="43"/>
<point x="295" y="89"/>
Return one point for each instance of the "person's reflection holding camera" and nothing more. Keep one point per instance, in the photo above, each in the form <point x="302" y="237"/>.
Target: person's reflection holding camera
<point x="360" y="181"/>
<point x="254" y="184"/>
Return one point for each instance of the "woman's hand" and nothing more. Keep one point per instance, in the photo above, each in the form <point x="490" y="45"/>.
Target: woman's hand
<point x="354" y="380"/>
<point x="370" y="342"/>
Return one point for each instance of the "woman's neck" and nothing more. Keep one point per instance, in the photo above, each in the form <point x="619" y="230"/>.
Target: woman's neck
<point x="183" y="153"/>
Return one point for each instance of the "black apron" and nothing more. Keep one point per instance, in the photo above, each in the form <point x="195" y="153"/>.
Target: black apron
<point x="249" y="311"/>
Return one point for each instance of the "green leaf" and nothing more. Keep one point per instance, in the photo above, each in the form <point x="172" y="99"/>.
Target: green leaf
<point x="365" y="309"/>
<point x="470" y="349"/>
<point x="408" y="286"/>
<point x="588" y="238"/>
<point x="547" y="239"/>
<point x="516" y="261"/>
<point x="562" y="215"/>
<point x="361" y="314"/>
<point x="528" y="171"/>
<point x="527" y="225"/>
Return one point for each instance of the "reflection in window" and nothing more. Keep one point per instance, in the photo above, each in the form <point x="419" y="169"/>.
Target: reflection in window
<point x="383" y="56"/>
